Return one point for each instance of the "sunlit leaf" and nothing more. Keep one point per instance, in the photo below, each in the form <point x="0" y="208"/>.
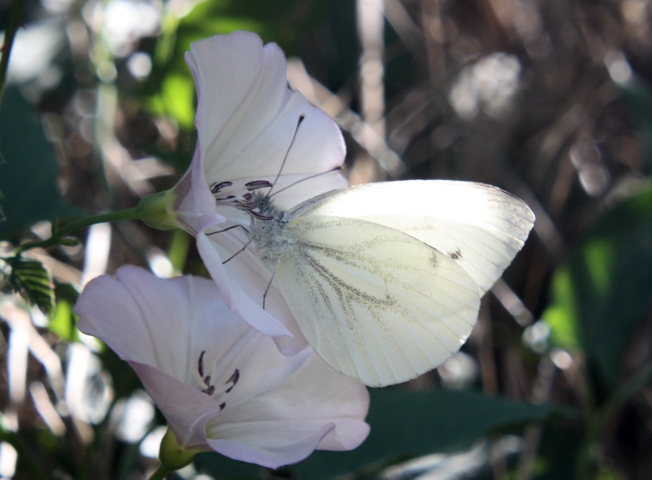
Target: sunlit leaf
<point x="605" y="289"/>
<point x="63" y="321"/>
<point x="562" y="314"/>
<point x="30" y="278"/>
<point x="176" y="99"/>
<point x="406" y="424"/>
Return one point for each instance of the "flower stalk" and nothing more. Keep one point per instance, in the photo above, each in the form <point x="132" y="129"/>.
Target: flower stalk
<point x="156" y="211"/>
<point x="60" y="236"/>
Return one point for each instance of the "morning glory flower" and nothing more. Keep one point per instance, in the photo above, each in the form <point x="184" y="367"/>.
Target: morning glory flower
<point x="220" y="384"/>
<point x="251" y="128"/>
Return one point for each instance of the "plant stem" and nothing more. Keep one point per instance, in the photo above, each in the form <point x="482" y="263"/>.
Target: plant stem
<point x="10" y="33"/>
<point x="161" y="473"/>
<point x="58" y="234"/>
<point x="601" y="418"/>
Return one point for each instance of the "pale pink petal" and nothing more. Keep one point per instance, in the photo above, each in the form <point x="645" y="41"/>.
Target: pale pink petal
<point x="160" y="322"/>
<point x="194" y="202"/>
<point x="186" y="409"/>
<point x="273" y="446"/>
<point x="334" y="399"/>
<point x="317" y="148"/>
<point x="241" y="88"/>
<point x="147" y="327"/>
<point x="237" y="300"/>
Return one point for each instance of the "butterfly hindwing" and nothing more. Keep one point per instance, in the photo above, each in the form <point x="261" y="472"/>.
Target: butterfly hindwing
<point x="376" y="304"/>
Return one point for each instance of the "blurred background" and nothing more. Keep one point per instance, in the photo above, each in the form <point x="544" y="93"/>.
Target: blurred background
<point x="549" y="100"/>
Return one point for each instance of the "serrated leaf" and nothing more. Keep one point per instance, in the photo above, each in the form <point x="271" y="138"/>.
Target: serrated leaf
<point x="30" y="278"/>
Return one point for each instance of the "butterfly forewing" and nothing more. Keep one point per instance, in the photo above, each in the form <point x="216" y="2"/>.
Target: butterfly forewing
<point x="478" y="226"/>
<point x="376" y="304"/>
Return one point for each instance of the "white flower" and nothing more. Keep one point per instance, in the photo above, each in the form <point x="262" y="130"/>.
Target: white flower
<point x="246" y="119"/>
<point x="220" y="384"/>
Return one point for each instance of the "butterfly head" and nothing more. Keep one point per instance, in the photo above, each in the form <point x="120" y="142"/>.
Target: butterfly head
<point x="247" y="198"/>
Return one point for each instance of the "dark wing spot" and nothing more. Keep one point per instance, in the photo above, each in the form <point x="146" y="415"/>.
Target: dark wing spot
<point x="456" y="255"/>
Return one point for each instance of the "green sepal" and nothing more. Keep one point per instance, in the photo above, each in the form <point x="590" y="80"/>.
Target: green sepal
<point x="157" y="211"/>
<point x="173" y="455"/>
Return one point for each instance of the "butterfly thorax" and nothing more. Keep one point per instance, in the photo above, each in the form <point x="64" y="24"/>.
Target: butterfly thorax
<point x="266" y="229"/>
<point x="267" y="220"/>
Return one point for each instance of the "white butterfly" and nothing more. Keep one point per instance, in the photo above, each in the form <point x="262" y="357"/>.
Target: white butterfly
<point x="385" y="279"/>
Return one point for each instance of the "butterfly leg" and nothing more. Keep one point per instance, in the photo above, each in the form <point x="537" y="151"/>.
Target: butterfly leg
<point x="268" y="287"/>
<point x="229" y="228"/>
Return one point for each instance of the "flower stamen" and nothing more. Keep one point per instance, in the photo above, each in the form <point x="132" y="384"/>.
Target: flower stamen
<point x="256" y="184"/>
<point x="200" y="364"/>
<point x="217" y="187"/>
<point x="210" y="389"/>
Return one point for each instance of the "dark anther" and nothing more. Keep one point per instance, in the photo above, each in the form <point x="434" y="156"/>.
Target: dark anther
<point x="200" y="366"/>
<point x="222" y="405"/>
<point x="207" y="380"/>
<point x="234" y="378"/>
<point x="209" y="391"/>
<point x="456" y="255"/>
<point x="216" y="187"/>
<point x="256" y="184"/>
<point x="247" y="196"/>
<point x="230" y="197"/>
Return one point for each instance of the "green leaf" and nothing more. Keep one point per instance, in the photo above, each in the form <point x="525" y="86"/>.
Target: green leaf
<point x="286" y="23"/>
<point x="30" y="278"/>
<point x="603" y="292"/>
<point x="406" y="424"/>
<point x="64" y="321"/>
<point x="176" y="99"/>
<point x="28" y="178"/>
<point x="557" y="452"/>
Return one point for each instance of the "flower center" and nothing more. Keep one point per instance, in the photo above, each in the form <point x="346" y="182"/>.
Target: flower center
<point x="212" y="390"/>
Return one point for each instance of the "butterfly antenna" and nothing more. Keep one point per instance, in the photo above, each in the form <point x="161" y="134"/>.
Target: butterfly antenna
<point x="304" y="179"/>
<point x="301" y="117"/>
